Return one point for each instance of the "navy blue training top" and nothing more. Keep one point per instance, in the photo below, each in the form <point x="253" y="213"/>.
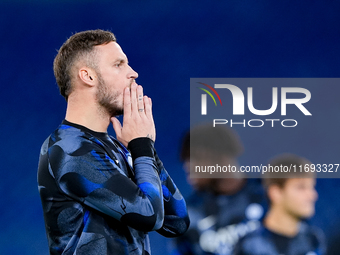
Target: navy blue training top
<point x="309" y="241"/>
<point x="97" y="199"/>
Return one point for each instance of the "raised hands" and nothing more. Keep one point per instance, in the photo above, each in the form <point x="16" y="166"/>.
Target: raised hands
<point x="137" y="119"/>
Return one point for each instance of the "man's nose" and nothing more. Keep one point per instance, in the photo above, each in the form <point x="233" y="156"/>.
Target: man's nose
<point x="133" y="74"/>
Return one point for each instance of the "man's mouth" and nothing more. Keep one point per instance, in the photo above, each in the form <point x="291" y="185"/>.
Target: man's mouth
<point x="132" y="82"/>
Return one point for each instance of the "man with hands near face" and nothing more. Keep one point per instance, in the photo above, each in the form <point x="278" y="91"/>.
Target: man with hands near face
<point x="101" y="195"/>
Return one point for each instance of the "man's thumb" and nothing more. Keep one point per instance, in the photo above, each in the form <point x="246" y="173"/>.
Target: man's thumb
<point x="116" y="126"/>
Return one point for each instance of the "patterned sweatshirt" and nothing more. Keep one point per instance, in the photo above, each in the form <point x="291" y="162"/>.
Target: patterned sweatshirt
<point x="100" y="198"/>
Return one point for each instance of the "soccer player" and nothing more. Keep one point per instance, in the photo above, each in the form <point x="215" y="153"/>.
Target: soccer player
<point x="221" y="210"/>
<point x="102" y="195"/>
<point x="292" y="198"/>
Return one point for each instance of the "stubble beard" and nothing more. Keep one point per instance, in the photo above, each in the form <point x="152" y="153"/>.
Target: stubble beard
<point x="107" y="100"/>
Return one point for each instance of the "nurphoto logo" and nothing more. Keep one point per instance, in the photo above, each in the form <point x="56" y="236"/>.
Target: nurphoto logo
<point x="238" y="104"/>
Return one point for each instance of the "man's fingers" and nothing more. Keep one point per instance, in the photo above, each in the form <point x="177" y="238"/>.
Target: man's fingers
<point x="134" y="106"/>
<point x="116" y="126"/>
<point x="148" y="107"/>
<point x="127" y="102"/>
<point x="137" y="119"/>
<point x="140" y="101"/>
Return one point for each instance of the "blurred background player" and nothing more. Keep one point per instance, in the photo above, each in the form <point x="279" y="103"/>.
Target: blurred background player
<point x="292" y="198"/>
<point x="221" y="210"/>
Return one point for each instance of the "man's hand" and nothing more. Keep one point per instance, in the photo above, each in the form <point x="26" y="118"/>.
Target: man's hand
<point x="137" y="119"/>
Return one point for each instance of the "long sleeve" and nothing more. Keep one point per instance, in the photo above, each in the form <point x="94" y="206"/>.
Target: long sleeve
<point x="83" y="171"/>
<point x="176" y="218"/>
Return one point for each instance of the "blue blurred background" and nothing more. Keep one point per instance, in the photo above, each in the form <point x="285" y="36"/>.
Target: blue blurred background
<point x="167" y="43"/>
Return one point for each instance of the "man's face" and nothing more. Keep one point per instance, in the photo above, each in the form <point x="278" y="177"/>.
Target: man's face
<point x="298" y="197"/>
<point x="114" y="75"/>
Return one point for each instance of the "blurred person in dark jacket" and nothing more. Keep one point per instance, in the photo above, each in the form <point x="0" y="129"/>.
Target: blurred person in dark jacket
<point x="221" y="210"/>
<point x="292" y="198"/>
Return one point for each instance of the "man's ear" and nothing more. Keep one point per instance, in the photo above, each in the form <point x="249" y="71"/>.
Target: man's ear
<point x="88" y="76"/>
<point x="274" y="193"/>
